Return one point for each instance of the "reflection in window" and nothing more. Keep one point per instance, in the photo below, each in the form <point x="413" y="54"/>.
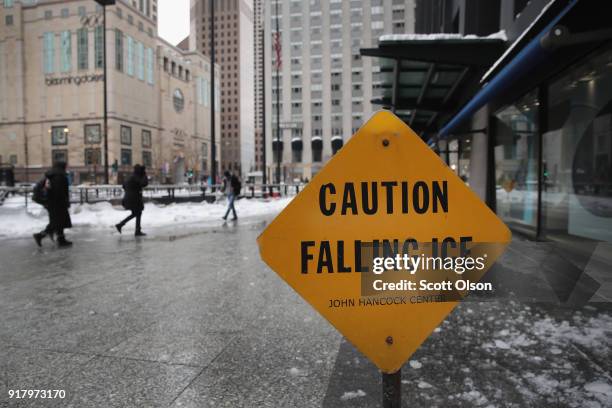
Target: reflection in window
<point x="577" y="152"/>
<point x="516" y="176"/>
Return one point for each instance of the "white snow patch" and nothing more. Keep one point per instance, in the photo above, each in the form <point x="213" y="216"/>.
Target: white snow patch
<point x="500" y="35"/>
<point x="16" y="221"/>
<point x="424" y="385"/>
<point x="500" y="344"/>
<point x="415" y="364"/>
<point x="599" y="387"/>
<point x="349" y="395"/>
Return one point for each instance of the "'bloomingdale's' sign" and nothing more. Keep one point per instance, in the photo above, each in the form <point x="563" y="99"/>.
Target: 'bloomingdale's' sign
<point x="76" y="80"/>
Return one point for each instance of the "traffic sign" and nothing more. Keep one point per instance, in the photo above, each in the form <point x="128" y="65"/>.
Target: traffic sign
<point x="340" y="243"/>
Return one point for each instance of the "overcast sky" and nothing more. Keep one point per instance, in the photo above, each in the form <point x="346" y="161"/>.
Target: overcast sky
<point x="173" y="20"/>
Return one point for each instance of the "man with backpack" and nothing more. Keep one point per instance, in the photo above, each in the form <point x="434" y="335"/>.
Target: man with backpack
<point x="53" y="193"/>
<point x="232" y="187"/>
<point x="133" y="200"/>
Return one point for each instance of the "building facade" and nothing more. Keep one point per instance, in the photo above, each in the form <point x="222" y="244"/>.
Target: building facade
<point x="259" y="83"/>
<point x="234" y="42"/>
<point x="51" y="103"/>
<point x="533" y="137"/>
<point x="324" y="87"/>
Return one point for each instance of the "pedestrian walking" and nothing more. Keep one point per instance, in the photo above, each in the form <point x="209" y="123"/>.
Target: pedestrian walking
<point x="232" y="187"/>
<point x="55" y="188"/>
<point x="132" y="199"/>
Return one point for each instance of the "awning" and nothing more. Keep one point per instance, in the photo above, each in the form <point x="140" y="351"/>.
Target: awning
<point x="336" y="143"/>
<point x="525" y="60"/>
<point x="422" y="73"/>
<point x="277" y="145"/>
<point x="296" y="144"/>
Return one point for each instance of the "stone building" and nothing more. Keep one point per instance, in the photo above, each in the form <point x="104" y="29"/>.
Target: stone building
<point x="51" y="93"/>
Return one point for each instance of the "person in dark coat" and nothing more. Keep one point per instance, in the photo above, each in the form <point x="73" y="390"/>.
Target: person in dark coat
<point x="132" y="200"/>
<point x="58" y="202"/>
<point x="231" y="186"/>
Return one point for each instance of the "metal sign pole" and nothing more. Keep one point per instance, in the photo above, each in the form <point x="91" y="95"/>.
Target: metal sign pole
<point x="392" y="389"/>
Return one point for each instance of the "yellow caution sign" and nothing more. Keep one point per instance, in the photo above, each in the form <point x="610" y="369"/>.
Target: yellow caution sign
<point x="384" y="241"/>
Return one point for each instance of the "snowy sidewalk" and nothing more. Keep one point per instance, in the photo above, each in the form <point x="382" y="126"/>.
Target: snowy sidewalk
<point x="16" y="221"/>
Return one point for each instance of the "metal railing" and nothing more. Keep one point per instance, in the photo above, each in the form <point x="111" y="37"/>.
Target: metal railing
<point x="162" y="193"/>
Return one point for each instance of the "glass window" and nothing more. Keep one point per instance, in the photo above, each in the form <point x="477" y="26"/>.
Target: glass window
<point x="199" y="91"/>
<point x="140" y="60"/>
<point x="59" y="155"/>
<point x="206" y="92"/>
<point x="49" y="53"/>
<point x="8" y="19"/>
<point x="577" y="152"/>
<point x="149" y="55"/>
<point x="82" y="48"/>
<point x="65" y="13"/>
<point x="8" y="3"/>
<point x="99" y="46"/>
<point x="146" y="138"/>
<point x="126" y="157"/>
<point x="178" y="100"/>
<point x="66" y="51"/>
<point x="296" y="155"/>
<point x="93" y="134"/>
<point x="93" y="156"/>
<point x="130" y="56"/>
<point x="217" y="98"/>
<point x="82" y="11"/>
<point x="119" y="50"/>
<point x="126" y="135"/>
<point x="516" y="161"/>
<point x="147" y="159"/>
<point x="59" y="135"/>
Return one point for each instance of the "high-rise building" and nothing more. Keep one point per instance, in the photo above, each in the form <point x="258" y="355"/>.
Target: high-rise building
<point x="258" y="35"/>
<point x="51" y="93"/>
<point x="233" y="27"/>
<point x="325" y="88"/>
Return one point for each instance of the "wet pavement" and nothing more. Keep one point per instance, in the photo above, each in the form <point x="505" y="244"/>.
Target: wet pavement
<point x="193" y="318"/>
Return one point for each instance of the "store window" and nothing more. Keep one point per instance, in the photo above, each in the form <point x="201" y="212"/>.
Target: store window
<point x="126" y="135"/>
<point x="126" y="157"/>
<point x="516" y="162"/>
<point x="59" y="135"/>
<point x="93" y="156"/>
<point x="59" y="155"/>
<point x="147" y="159"/>
<point x="93" y="135"/>
<point x="577" y="152"/>
<point x="146" y="138"/>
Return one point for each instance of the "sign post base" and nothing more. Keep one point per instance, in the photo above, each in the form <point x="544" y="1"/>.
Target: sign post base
<point x="392" y="389"/>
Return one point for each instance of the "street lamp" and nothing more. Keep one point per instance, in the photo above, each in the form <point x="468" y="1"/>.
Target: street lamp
<point x="105" y="3"/>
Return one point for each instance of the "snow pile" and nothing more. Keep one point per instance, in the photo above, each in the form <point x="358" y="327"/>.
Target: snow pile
<point x="15" y="220"/>
<point x="349" y="395"/>
<point x="500" y="35"/>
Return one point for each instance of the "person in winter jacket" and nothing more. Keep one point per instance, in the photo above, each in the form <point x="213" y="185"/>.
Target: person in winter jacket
<point x="231" y="186"/>
<point x="58" y="202"/>
<point x="132" y="200"/>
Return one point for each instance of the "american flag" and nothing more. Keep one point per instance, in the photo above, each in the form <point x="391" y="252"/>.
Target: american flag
<point x="277" y="50"/>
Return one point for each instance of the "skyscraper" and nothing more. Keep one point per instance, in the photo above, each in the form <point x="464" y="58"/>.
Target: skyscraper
<point x="258" y="35"/>
<point x="233" y="26"/>
<point x="325" y="87"/>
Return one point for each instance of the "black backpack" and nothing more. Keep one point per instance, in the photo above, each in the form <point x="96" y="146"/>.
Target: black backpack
<point x="40" y="192"/>
<point x="236" y="185"/>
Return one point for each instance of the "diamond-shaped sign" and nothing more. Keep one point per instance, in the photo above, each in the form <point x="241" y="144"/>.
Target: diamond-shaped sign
<point x="385" y="187"/>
